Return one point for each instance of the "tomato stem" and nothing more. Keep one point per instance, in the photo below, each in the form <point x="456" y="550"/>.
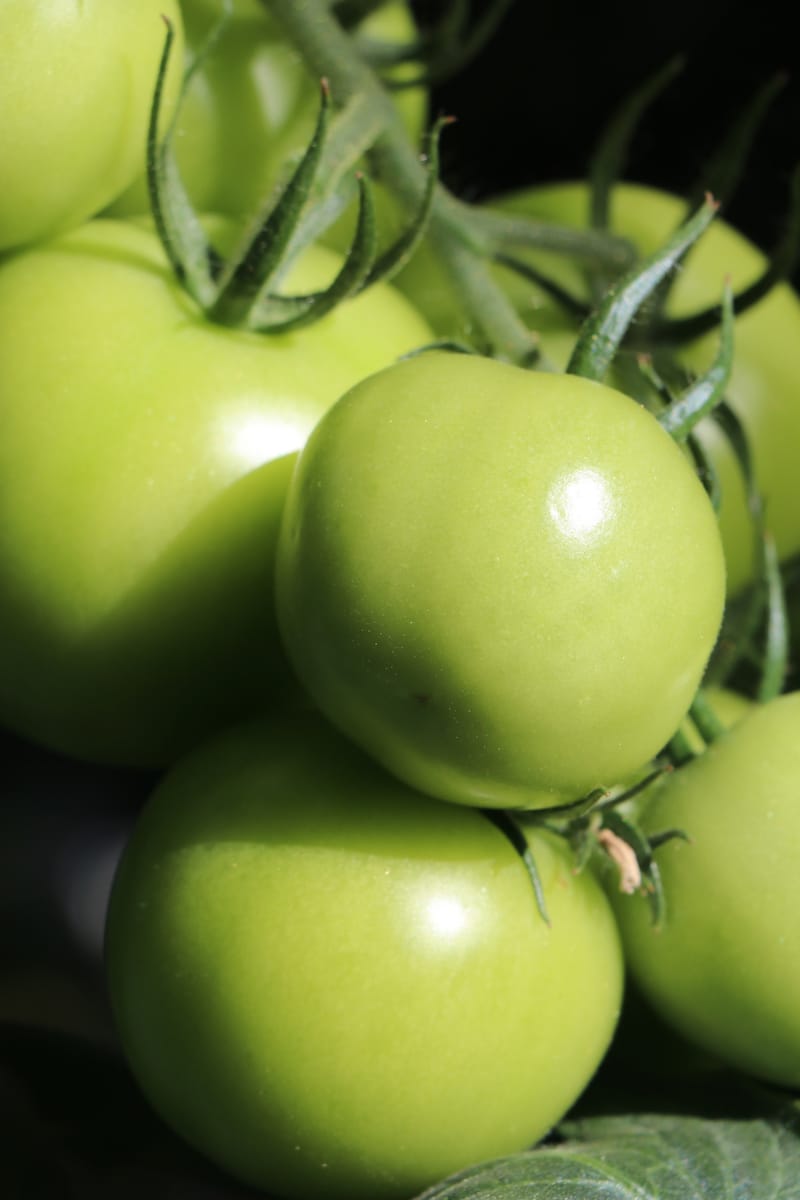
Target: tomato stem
<point x="706" y="721"/>
<point x="459" y="236"/>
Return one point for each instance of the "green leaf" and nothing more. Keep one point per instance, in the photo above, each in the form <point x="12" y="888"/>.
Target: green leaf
<point x="643" y="1158"/>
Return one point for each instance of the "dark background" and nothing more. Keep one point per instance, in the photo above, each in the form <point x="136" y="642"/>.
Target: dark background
<point x="531" y="106"/>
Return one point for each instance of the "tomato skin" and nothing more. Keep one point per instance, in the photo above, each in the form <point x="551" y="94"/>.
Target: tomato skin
<point x="540" y="570"/>
<point x="251" y="109"/>
<point x="144" y="460"/>
<point x="333" y="987"/>
<point x="75" y="93"/>
<point x="766" y="355"/>
<point x="725" y="967"/>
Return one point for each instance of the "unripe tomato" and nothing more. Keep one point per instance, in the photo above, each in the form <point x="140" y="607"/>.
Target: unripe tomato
<point x="75" y="94"/>
<point x="724" y="968"/>
<point x="334" y="987"/>
<point x="504" y="584"/>
<point x="144" y="457"/>
<point x="763" y="389"/>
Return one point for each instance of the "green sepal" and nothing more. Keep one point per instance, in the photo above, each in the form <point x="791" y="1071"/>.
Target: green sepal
<point x="626" y="794"/>
<point x="279" y="314"/>
<point x="662" y="398"/>
<point x="708" y="391"/>
<point x="352" y="131"/>
<point x="251" y="272"/>
<point x="663" y="393"/>
<point x="362" y="268"/>
<point x="506" y="823"/>
<point x="667" y="835"/>
<point x="194" y="261"/>
<point x="573" y="808"/>
<point x="643" y="847"/>
<point x="629" y="832"/>
<point x="706" y="471"/>
<point x="602" y="333"/>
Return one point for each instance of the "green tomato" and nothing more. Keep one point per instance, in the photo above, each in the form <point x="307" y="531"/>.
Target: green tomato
<point x="144" y="457"/>
<point x="767" y="344"/>
<point x="503" y="584"/>
<point x="251" y="109"/>
<point x="75" y="94"/>
<point x="724" y="968"/>
<point x="333" y="987"/>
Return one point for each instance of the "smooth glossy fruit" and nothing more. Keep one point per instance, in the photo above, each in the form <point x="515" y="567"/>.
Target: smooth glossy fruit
<point x="724" y="968"/>
<point x="144" y="457"/>
<point x="504" y="584"/>
<point x="334" y="987"/>
<point x="763" y="389"/>
<point x="75" y="94"/>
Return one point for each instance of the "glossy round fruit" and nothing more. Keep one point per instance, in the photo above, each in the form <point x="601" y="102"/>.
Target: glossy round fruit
<point x="504" y="584"/>
<point x="724" y="968"/>
<point x="144" y="457"/>
<point x="75" y="93"/>
<point x="763" y="388"/>
<point x="335" y="988"/>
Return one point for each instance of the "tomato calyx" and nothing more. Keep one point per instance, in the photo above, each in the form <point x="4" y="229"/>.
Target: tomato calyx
<point x="599" y="826"/>
<point x="610" y="827"/>
<point x="602" y="821"/>
<point x="243" y="291"/>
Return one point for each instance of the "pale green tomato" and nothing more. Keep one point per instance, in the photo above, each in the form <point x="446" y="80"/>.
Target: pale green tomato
<point x="724" y="968"/>
<point x="144" y="457"/>
<point x="334" y="987"/>
<point x="763" y="389"/>
<point x="250" y="111"/>
<point x="75" y="92"/>
<point x="504" y="584"/>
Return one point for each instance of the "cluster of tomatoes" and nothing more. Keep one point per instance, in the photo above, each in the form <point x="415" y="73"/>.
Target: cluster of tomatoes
<point x="384" y="615"/>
